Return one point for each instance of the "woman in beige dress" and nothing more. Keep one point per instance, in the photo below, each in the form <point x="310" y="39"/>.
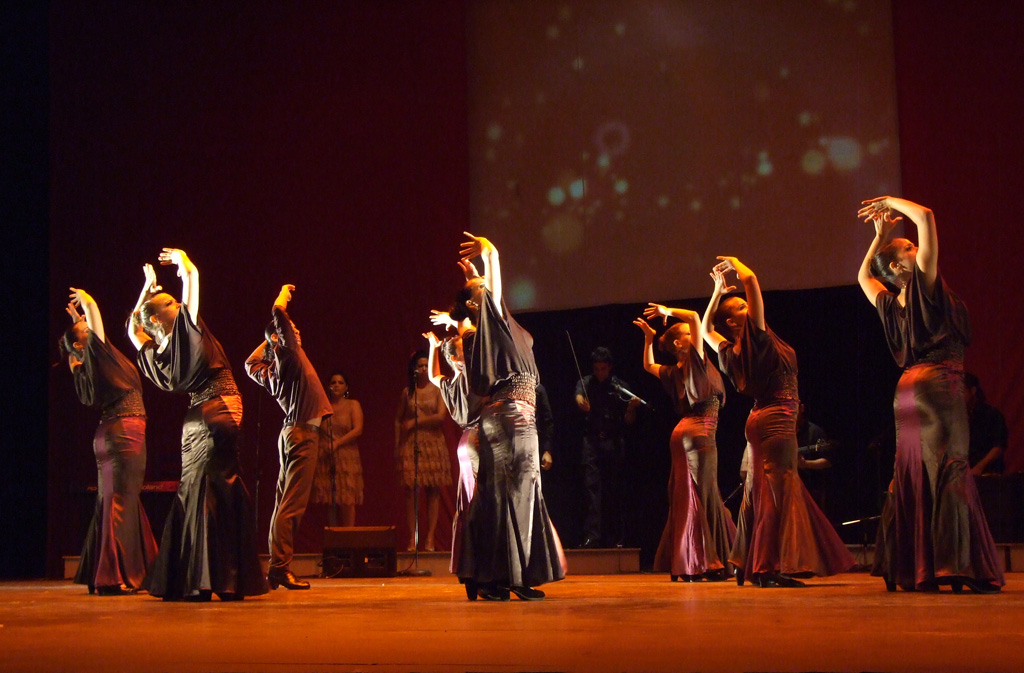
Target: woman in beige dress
<point x="339" y="473"/>
<point x="419" y="424"/>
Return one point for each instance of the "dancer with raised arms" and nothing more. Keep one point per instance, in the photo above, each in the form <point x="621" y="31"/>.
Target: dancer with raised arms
<point x="781" y="534"/>
<point x="119" y="545"/>
<point x="514" y="544"/>
<point x="209" y="543"/>
<point x="933" y="530"/>
<point x="699" y="531"/>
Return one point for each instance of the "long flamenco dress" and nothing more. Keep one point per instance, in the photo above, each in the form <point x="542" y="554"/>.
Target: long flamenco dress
<point x="699" y="532"/>
<point x="780" y="529"/>
<point x="119" y="545"/>
<point x="933" y="529"/>
<point x="464" y="408"/>
<point x="509" y="532"/>
<point x="209" y="539"/>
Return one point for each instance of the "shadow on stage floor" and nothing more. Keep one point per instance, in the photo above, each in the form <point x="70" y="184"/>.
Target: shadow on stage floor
<point x="588" y="623"/>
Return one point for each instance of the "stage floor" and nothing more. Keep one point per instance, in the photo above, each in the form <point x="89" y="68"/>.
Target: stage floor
<point x="588" y="623"/>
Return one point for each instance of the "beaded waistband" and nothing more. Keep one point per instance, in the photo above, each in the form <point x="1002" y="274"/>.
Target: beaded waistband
<point x="521" y="387"/>
<point x="221" y="384"/>
<point x="129" y="405"/>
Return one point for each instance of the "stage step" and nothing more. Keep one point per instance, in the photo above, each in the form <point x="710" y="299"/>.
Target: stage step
<point x="581" y="561"/>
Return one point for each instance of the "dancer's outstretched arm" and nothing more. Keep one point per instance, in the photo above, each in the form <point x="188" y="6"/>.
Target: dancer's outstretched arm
<point x="707" y="324"/>
<point x="189" y="275"/>
<point x="136" y="334"/>
<point x="923" y="219"/>
<point x="690" y="317"/>
<point x="478" y="245"/>
<point x="650" y="366"/>
<point x="755" y="303"/>
<point x="433" y="362"/>
<point x="870" y="285"/>
<point x="91" y="310"/>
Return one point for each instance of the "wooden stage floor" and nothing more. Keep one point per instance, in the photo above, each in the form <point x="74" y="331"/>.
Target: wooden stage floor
<point x="588" y="623"/>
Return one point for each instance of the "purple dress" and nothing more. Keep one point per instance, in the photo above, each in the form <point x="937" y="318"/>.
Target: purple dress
<point x="933" y="528"/>
<point x="209" y="539"/>
<point x="508" y="528"/>
<point x="119" y="545"/>
<point x="699" y="531"/>
<point x="781" y="529"/>
<point x="464" y="408"/>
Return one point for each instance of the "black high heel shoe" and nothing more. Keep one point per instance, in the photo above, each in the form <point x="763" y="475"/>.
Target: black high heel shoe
<point x="890" y="586"/>
<point x="203" y="596"/>
<point x="787" y="581"/>
<point x="980" y="587"/>
<point x="489" y="592"/>
<point x="471" y="589"/>
<point x="739" y="577"/>
<point x="115" y="590"/>
<point x="528" y="593"/>
<point x="674" y="578"/>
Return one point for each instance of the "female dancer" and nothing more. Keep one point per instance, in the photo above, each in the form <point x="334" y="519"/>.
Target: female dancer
<point x="464" y="408"/>
<point x="933" y="530"/>
<point x="208" y="544"/>
<point x="418" y="426"/>
<point x="699" y="531"/>
<point x="119" y="545"/>
<point x="781" y="531"/>
<point x="339" y="472"/>
<point x="514" y="546"/>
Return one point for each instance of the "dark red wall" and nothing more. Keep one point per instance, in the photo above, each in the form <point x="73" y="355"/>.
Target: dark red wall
<point x="322" y="145"/>
<point x="960" y="93"/>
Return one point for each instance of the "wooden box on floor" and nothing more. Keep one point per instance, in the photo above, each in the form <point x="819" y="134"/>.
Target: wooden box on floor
<point x="367" y="551"/>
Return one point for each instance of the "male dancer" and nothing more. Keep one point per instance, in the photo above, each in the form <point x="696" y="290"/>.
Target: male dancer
<point x="280" y="365"/>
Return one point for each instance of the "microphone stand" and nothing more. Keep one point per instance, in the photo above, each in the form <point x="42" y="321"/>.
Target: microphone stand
<point x="414" y="569"/>
<point x="332" y="517"/>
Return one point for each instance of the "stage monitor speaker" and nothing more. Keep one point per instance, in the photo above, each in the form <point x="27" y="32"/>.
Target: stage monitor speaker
<point x="367" y="551"/>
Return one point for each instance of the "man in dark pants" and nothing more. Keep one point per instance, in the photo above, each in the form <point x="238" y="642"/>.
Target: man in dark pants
<point x="280" y="365"/>
<point x="601" y="397"/>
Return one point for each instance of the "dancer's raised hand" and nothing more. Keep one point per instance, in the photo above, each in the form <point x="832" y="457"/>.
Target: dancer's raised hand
<point x="654" y="310"/>
<point x="645" y="327"/>
<point x="721" y="285"/>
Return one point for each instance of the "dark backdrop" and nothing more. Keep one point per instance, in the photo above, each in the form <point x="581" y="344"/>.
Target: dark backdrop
<point x="326" y="146"/>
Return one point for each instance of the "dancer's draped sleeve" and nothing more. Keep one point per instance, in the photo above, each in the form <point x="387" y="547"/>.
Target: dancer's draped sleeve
<point x="108" y="380"/>
<point x="692" y="383"/>
<point x="192" y="360"/>
<point x="498" y="350"/>
<point x="931" y="328"/>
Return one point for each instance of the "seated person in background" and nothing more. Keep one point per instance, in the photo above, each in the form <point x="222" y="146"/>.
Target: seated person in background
<point x="988" y="430"/>
<point x="815" y="457"/>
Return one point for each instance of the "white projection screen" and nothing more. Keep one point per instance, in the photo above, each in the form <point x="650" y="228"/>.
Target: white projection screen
<point x="617" y="147"/>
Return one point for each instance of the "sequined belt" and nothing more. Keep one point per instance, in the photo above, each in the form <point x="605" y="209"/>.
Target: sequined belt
<point x="129" y="405"/>
<point x="521" y="387"/>
<point x="221" y="384"/>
